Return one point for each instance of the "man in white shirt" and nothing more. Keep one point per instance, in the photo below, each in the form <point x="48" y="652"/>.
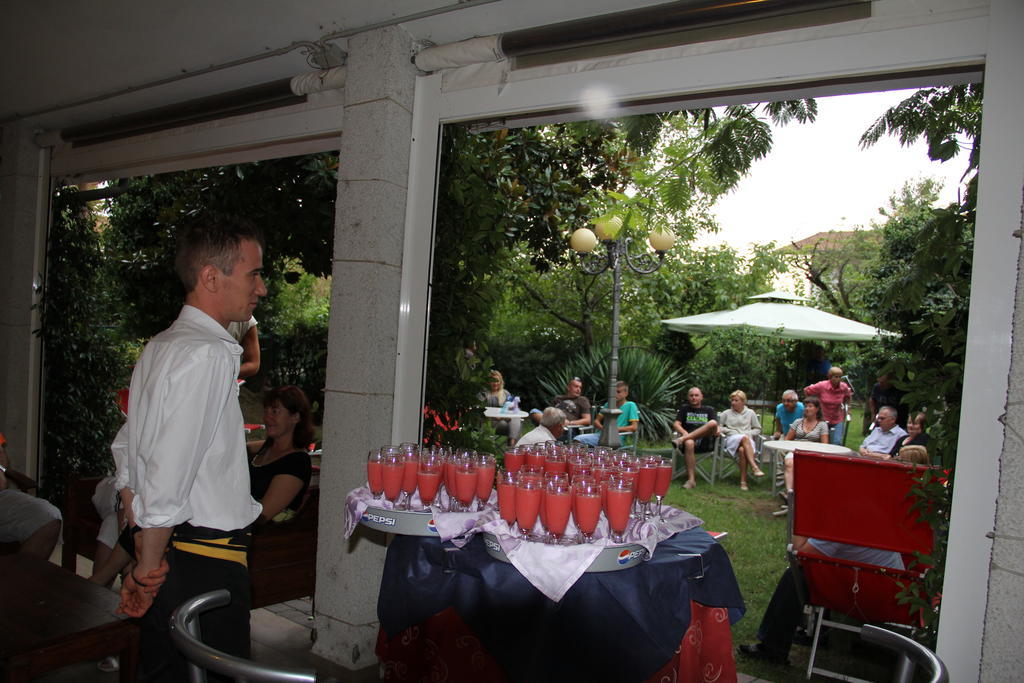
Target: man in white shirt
<point x="884" y="436"/>
<point x="181" y="467"/>
<point x="551" y="427"/>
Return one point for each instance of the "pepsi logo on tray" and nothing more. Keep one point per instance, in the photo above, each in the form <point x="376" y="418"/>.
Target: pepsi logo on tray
<point x="431" y="526"/>
<point x="626" y="555"/>
<point x="378" y="519"/>
<point x="492" y="546"/>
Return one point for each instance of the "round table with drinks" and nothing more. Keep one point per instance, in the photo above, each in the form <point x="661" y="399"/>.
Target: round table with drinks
<point x="518" y="583"/>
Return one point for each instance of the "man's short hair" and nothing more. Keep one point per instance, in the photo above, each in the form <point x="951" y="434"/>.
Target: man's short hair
<point x="212" y="241"/>
<point x="622" y="383"/>
<point x="889" y="411"/>
<point x="552" y="417"/>
<point x="790" y="393"/>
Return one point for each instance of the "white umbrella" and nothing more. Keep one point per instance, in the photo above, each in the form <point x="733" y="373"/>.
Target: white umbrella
<point x="788" y="321"/>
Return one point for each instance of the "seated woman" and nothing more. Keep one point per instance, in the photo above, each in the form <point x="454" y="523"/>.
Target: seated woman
<point x="811" y="427"/>
<point x="916" y="435"/>
<point x="495" y="397"/>
<point x="279" y="466"/>
<point x="279" y="470"/>
<point x="738" y="425"/>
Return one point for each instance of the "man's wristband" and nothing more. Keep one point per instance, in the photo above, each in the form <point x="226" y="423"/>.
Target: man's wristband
<point x="140" y="583"/>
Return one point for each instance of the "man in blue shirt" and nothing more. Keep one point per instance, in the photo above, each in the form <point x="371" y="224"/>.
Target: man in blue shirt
<point x="628" y="422"/>
<point x="786" y="413"/>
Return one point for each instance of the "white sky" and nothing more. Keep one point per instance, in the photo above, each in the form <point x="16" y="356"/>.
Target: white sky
<point x="817" y="177"/>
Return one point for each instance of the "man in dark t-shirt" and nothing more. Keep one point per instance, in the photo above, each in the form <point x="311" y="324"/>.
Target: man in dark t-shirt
<point x="697" y="425"/>
<point x="574" y="404"/>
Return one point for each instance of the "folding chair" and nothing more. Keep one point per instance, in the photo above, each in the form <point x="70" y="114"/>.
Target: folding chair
<point x="863" y="502"/>
<point x="705" y="461"/>
<point x="725" y="464"/>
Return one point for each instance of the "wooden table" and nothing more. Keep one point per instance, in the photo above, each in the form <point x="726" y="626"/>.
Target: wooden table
<point x="50" y="617"/>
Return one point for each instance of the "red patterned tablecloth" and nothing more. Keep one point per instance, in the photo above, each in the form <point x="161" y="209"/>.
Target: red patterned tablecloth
<point x="443" y="649"/>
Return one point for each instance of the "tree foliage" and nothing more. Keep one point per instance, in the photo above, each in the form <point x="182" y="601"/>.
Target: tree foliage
<point x="923" y="292"/>
<point x="290" y="199"/>
<point x="83" y="359"/>
<point x="496" y="191"/>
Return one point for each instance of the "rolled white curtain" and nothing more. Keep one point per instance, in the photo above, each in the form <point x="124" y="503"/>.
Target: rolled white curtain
<point x="472" y="51"/>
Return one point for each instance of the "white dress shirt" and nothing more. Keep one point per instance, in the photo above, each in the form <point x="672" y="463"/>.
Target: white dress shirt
<point x="182" y="450"/>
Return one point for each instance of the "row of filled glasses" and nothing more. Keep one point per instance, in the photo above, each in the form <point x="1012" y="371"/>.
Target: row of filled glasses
<point x="650" y="474"/>
<point x="583" y="485"/>
<point x="397" y="472"/>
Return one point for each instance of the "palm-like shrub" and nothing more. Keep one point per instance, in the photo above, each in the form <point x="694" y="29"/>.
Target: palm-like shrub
<point x="653" y="384"/>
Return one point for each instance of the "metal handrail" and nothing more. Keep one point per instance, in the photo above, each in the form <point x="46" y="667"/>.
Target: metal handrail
<point x="187" y="638"/>
<point x="910" y="652"/>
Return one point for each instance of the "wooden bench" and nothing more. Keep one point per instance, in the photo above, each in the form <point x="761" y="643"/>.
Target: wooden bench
<point x="282" y="562"/>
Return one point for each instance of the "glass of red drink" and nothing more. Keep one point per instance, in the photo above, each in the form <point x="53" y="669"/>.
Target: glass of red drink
<point x="485" y="467"/>
<point x="528" y="497"/>
<point x="465" y="481"/>
<point x="555" y="462"/>
<point x="662" y="480"/>
<point x="557" y="502"/>
<point x="586" y="506"/>
<point x="514" y="458"/>
<point x="629" y="468"/>
<point x="428" y="477"/>
<point x="645" y="483"/>
<point x="620" y="494"/>
<point x="393" y="469"/>
<point x="375" y="473"/>
<point x="536" y="455"/>
<point x="409" y="473"/>
<point x="507" y="497"/>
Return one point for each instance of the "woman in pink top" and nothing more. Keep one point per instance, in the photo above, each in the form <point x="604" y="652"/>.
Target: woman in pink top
<point x="833" y="393"/>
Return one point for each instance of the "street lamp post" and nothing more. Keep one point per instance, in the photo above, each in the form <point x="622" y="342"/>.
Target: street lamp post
<point x="617" y="252"/>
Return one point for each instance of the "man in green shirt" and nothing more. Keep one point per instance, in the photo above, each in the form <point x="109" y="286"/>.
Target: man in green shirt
<point x="628" y="422"/>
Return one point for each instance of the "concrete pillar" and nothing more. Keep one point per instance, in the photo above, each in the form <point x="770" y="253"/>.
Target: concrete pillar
<point x="1001" y="655"/>
<point x="362" y="345"/>
<point x="24" y="196"/>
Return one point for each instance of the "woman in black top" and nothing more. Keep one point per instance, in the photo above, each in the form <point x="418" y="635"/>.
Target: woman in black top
<point x="279" y="466"/>
<point x="916" y="436"/>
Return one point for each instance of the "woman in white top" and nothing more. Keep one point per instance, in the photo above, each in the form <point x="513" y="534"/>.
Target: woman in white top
<point x="738" y="425"/>
<point x="808" y="428"/>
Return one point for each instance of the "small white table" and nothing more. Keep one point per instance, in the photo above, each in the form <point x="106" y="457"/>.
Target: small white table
<point x="782" y="447"/>
<point x="496" y="413"/>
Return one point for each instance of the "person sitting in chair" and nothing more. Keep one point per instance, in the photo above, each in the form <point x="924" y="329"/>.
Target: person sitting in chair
<point x="573" y="403"/>
<point x="886" y="434"/>
<point x="916" y="434"/>
<point x="786" y="413"/>
<point x="496" y="396"/>
<point x="739" y="425"/>
<point x="32" y="522"/>
<point x="697" y="426"/>
<point x="779" y="624"/>
<point x="551" y="427"/>
<point x="628" y="421"/>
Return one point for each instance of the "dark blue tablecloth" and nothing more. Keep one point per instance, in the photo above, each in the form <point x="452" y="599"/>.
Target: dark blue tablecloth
<point x="616" y="626"/>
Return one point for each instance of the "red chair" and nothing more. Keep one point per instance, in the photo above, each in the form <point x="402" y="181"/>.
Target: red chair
<point x="858" y="501"/>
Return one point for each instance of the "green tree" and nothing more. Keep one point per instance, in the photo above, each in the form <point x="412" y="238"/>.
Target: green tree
<point x="290" y="199"/>
<point x="923" y="292"/>
<point x="83" y="360"/>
